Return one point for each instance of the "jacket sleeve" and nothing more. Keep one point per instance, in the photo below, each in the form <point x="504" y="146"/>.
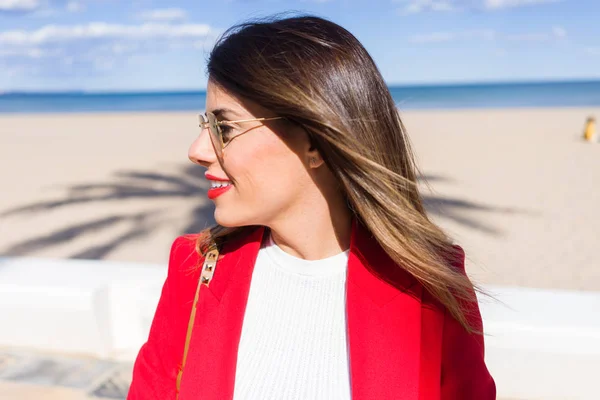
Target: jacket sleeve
<point x="158" y="361"/>
<point x="464" y="373"/>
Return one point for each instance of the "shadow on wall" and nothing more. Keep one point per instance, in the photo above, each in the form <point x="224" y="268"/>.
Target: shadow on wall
<point x="188" y="182"/>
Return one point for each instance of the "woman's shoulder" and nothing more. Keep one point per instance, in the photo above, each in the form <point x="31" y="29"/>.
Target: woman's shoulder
<point x="183" y="257"/>
<point x="456" y="258"/>
<point x="183" y="248"/>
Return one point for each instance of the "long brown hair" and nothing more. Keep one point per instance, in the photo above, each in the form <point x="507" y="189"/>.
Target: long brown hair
<point x="317" y="75"/>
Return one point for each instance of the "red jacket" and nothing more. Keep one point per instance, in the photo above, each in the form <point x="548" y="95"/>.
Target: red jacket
<point x="402" y="343"/>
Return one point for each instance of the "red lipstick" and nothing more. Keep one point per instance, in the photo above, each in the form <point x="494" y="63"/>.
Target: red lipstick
<point x="213" y="193"/>
<point x="215" y="178"/>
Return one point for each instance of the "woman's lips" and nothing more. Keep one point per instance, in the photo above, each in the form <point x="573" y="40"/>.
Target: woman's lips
<point x="213" y="193"/>
<point x="215" y="178"/>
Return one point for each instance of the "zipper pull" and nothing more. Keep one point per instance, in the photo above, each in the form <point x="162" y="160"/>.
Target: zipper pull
<point x="210" y="264"/>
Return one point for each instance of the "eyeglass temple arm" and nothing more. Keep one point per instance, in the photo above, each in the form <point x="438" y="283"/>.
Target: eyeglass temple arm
<point x="247" y="120"/>
<point x="203" y="123"/>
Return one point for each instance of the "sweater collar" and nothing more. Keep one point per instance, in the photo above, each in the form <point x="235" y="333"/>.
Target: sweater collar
<point x="367" y="265"/>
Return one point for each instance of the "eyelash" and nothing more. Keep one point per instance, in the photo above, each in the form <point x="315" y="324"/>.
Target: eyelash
<point x="225" y="129"/>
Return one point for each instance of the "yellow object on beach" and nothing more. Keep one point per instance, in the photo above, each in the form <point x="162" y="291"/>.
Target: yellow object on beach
<point x="590" y="130"/>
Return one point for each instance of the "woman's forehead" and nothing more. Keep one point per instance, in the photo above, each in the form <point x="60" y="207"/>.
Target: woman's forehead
<point x="217" y="98"/>
<point x="220" y="101"/>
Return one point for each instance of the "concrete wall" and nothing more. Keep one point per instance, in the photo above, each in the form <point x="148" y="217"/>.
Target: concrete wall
<point x="103" y="309"/>
<point x="543" y="344"/>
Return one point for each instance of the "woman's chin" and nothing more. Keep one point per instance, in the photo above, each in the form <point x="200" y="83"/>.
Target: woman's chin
<point x="225" y="219"/>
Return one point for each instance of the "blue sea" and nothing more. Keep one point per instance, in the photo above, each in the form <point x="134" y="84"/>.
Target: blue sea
<point x="496" y="95"/>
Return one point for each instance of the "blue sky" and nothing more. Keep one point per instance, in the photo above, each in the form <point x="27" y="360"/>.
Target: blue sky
<point x="113" y="45"/>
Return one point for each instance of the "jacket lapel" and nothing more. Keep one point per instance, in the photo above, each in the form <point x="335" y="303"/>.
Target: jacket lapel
<point x="210" y="370"/>
<point x="383" y="323"/>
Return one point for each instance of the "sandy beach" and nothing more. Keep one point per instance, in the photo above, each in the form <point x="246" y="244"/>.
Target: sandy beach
<point x="517" y="188"/>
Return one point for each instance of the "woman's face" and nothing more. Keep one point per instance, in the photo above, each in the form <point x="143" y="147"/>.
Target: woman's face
<point x="268" y="172"/>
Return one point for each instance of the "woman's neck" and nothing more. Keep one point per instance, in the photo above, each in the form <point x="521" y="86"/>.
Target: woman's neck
<point x="313" y="235"/>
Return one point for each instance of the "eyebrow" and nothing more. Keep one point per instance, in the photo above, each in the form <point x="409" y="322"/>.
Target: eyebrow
<point x="219" y="112"/>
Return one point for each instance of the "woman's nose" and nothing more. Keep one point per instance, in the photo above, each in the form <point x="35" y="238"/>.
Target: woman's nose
<point x="201" y="150"/>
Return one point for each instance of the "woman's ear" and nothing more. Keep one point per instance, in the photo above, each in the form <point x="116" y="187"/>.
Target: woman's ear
<point x="311" y="152"/>
<point x="314" y="157"/>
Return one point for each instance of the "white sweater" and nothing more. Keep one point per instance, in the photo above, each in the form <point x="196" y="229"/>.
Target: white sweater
<point x="293" y="344"/>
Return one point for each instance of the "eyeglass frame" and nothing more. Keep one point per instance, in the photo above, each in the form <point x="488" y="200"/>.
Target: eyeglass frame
<point x="206" y="123"/>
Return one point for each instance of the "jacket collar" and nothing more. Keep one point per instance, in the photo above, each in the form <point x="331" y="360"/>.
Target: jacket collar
<point x="369" y="263"/>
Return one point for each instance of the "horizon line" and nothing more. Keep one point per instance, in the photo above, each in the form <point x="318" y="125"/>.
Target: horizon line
<point x="389" y="84"/>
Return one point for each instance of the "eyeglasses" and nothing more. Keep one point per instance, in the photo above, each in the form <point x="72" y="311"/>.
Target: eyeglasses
<point x="223" y="132"/>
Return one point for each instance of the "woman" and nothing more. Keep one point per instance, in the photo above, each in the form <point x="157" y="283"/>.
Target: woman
<point x="331" y="281"/>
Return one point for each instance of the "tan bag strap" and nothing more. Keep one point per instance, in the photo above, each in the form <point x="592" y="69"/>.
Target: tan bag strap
<point x="208" y="269"/>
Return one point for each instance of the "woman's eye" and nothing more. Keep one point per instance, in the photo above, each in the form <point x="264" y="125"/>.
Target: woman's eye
<point x="226" y="132"/>
<point x="225" y="129"/>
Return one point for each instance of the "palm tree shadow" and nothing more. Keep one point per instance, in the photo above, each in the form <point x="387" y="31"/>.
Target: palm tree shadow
<point x="187" y="183"/>
<point x="461" y="211"/>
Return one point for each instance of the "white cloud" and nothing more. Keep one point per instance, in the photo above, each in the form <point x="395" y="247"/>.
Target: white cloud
<point x="101" y="30"/>
<point x="99" y="45"/>
<point x="41" y="8"/>
<point x="104" y="63"/>
<point x="418" y="6"/>
<point x="433" y="37"/>
<point x="501" y="4"/>
<point x="593" y="51"/>
<point x="409" y="7"/>
<point x="442" y="37"/>
<point x="556" y="34"/>
<point x="163" y="14"/>
<point x="529" y="37"/>
<point x="75" y="6"/>
<point x="34" y="52"/>
<point x="559" y="32"/>
<point x="19" y="5"/>
<point x="124" y="48"/>
<point x="500" y="52"/>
